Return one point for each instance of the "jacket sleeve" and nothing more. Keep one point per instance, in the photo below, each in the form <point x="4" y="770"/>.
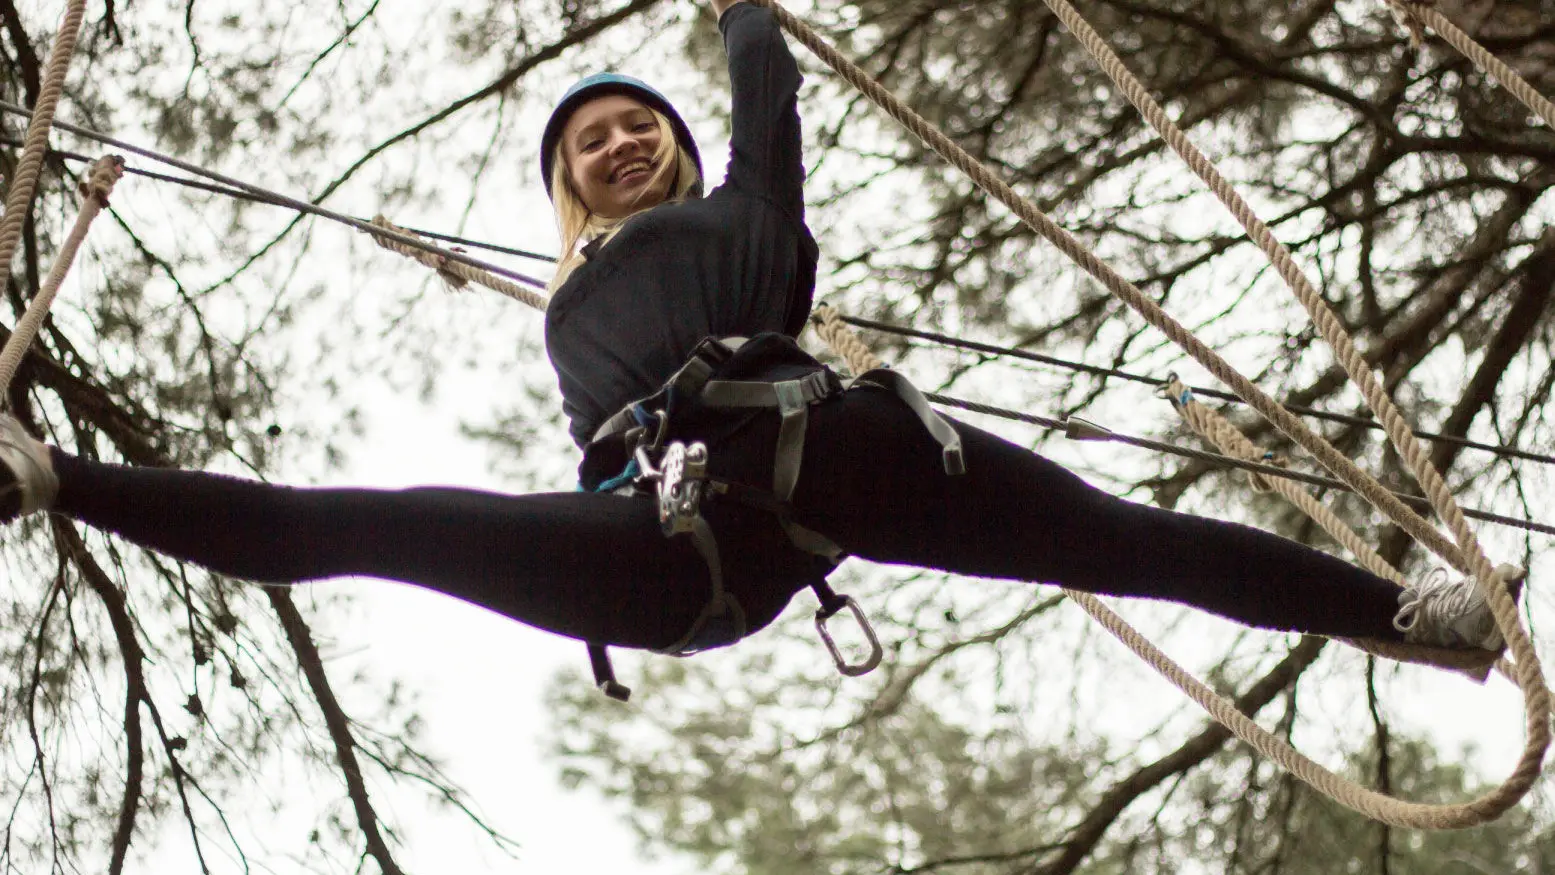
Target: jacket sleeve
<point x="764" y="149"/>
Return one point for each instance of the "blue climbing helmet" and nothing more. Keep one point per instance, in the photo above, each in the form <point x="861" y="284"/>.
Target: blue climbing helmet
<point x="599" y="85"/>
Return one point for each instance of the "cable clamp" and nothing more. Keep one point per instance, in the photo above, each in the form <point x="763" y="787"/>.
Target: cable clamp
<point x="1177" y="398"/>
<point x="1077" y="429"/>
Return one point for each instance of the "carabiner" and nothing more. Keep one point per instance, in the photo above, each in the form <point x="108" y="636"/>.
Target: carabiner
<point x="852" y="670"/>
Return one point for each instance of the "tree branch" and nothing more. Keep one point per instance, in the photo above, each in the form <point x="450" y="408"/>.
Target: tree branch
<point x="136" y="692"/>
<point x="496" y="86"/>
<point x="301" y="640"/>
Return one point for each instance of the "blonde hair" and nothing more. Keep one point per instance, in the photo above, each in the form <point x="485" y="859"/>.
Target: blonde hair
<point x="579" y="225"/>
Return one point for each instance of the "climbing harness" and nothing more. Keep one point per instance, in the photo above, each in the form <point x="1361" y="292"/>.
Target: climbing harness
<point x="676" y="474"/>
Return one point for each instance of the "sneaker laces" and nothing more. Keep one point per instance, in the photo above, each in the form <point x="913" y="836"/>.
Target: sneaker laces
<point x="1454" y="613"/>
<point x="1435" y="601"/>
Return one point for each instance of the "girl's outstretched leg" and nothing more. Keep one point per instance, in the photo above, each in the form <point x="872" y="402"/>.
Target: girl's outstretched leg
<point x="595" y="567"/>
<point x="872" y="481"/>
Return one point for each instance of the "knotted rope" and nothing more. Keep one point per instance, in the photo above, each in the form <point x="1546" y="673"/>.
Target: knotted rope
<point x="456" y="273"/>
<point x="843" y="341"/>
<point x="1230" y="440"/>
<point x="1464" y="554"/>
<point x="95" y="189"/>
<point x="24" y="181"/>
<point x="1220" y="432"/>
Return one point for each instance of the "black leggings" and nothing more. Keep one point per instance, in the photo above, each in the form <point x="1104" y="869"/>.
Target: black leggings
<point x="596" y="567"/>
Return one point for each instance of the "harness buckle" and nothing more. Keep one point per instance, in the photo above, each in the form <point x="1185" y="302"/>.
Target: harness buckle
<point x="876" y="653"/>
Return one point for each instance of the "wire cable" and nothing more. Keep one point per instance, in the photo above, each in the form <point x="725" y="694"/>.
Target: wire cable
<point x="1094" y="370"/>
<point x="244" y="191"/>
<point x="266" y="196"/>
<point x="1079" y="429"/>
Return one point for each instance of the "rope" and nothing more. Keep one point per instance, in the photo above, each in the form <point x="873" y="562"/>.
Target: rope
<point x="1464" y="554"/>
<point x="95" y="190"/>
<point x="245" y="195"/>
<point x="1416" y="14"/>
<point x="1469" y="556"/>
<point x="1220" y="432"/>
<point x="833" y="328"/>
<point x="1122" y="288"/>
<point x="24" y="180"/>
<point x="1346" y="419"/>
<point x="829" y="325"/>
<point x="238" y="194"/>
<point x="1078" y="429"/>
<point x="455" y="273"/>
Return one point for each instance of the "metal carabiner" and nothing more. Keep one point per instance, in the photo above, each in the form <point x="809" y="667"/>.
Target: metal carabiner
<point x="876" y="653"/>
<point x="642" y="449"/>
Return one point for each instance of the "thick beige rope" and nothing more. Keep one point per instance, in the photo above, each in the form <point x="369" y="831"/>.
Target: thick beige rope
<point x="24" y="180"/>
<point x="1469" y="557"/>
<point x="844" y="342"/>
<point x="455" y="273"/>
<point x="1230" y="440"/>
<point x="1414" y="14"/>
<point x="95" y="188"/>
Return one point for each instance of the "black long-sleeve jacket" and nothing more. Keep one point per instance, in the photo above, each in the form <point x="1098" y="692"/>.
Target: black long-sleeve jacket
<point x="739" y="261"/>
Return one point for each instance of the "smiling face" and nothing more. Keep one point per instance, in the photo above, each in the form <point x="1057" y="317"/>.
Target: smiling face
<point x="611" y="145"/>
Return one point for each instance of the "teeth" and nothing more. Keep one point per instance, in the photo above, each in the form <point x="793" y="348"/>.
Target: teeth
<point x="630" y="168"/>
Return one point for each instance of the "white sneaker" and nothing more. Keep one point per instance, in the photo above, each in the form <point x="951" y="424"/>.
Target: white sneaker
<point x="27" y="479"/>
<point x="1440" y="612"/>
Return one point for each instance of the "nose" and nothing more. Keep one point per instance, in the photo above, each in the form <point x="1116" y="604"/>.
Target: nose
<point x="623" y="143"/>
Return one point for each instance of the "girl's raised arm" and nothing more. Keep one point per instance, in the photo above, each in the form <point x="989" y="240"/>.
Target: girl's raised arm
<point x="765" y="139"/>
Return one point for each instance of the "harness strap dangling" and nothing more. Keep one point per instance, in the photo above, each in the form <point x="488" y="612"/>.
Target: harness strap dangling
<point x="605" y="674"/>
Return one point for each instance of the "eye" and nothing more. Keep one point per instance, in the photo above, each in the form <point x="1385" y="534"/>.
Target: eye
<point x="645" y="127"/>
<point x="591" y="146"/>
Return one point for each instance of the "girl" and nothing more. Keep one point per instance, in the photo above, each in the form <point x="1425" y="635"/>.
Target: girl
<point x="770" y="470"/>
